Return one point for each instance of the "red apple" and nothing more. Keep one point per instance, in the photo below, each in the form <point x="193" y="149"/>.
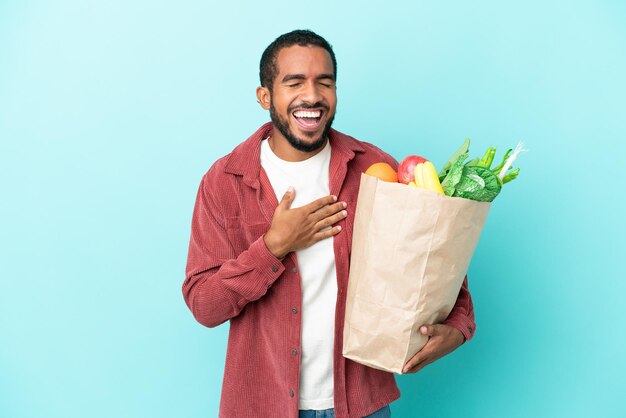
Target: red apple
<point x="406" y="169"/>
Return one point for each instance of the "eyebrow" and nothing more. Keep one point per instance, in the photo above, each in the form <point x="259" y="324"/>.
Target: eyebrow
<point x="290" y="77"/>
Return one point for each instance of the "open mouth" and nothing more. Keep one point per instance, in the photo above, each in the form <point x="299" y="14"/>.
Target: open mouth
<point x="309" y="119"/>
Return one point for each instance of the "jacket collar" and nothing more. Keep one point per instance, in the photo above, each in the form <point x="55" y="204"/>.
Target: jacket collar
<point x="245" y="159"/>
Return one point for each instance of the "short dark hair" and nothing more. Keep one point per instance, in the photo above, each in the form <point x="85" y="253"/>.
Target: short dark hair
<point x="268" y="69"/>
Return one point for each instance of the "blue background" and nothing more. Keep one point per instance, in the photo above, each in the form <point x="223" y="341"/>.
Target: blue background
<point x="111" y="111"/>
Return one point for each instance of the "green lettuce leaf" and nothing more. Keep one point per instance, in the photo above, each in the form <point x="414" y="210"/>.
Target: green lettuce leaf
<point x="454" y="175"/>
<point x="477" y="183"/>
<point x="463" y="150"/>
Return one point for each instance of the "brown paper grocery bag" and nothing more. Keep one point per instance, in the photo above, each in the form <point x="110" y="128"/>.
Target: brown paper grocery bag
<point x="411" y="249"/>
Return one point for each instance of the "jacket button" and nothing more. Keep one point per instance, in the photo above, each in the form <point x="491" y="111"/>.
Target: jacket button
<point x="294" y="352"/>
<point x="470" y="329"/>
<point x="294" y="269"/>
<point x="274" y="268"/>
<point x="291" y="394"/>
<point x="294" y="310"/>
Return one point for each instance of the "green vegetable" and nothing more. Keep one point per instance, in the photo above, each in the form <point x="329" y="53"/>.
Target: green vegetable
<point x="475" y="179"/>
<point x="454" y="175"/>
<point x="511" y="175"/>
<point x="497" y="169"/>
<point x="478" y="183"/>
<point x="487" y="158"/>
<point x="475" y="161"/>
<point x="509" y="161"/>
<point x="463" y="150"/>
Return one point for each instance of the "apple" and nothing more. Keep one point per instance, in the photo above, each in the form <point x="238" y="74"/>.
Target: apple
<point x="406" y="169"/>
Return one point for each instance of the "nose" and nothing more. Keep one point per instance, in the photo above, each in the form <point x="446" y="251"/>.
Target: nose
<point x="311" y="93"/>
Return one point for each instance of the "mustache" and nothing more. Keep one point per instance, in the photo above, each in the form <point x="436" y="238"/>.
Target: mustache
<point x="306" y="105"/>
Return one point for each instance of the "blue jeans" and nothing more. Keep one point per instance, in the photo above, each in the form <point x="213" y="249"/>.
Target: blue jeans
<point x="384" y="412"/>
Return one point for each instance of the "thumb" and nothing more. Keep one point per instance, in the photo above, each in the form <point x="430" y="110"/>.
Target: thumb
<point x="288" y="198"/>
<point x="428" y="330"/>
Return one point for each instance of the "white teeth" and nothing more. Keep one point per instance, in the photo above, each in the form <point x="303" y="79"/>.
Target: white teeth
<point x="305" y="114"/>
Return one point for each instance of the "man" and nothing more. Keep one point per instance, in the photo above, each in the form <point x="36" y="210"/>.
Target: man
<point x="279" y="270"/>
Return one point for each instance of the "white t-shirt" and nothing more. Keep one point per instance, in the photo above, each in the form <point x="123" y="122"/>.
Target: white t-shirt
<point x="317" y="270"/>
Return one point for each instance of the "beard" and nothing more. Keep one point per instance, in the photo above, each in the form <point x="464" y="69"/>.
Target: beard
<point x="283" y="126"/>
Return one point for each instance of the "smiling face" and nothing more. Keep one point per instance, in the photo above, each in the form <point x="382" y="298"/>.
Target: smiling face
<point x="302" y="101"/>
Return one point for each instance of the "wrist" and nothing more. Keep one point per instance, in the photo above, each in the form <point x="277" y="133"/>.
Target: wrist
<point x="460" y="338"/>
<point x="273" y="246"/>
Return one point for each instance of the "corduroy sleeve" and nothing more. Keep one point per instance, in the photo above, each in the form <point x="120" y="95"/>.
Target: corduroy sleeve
<point x="462" y="315"/>
<point x="219" y="283"/>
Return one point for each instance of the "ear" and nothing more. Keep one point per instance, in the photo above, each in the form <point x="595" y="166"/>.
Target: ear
<point x="263" y="96"/>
